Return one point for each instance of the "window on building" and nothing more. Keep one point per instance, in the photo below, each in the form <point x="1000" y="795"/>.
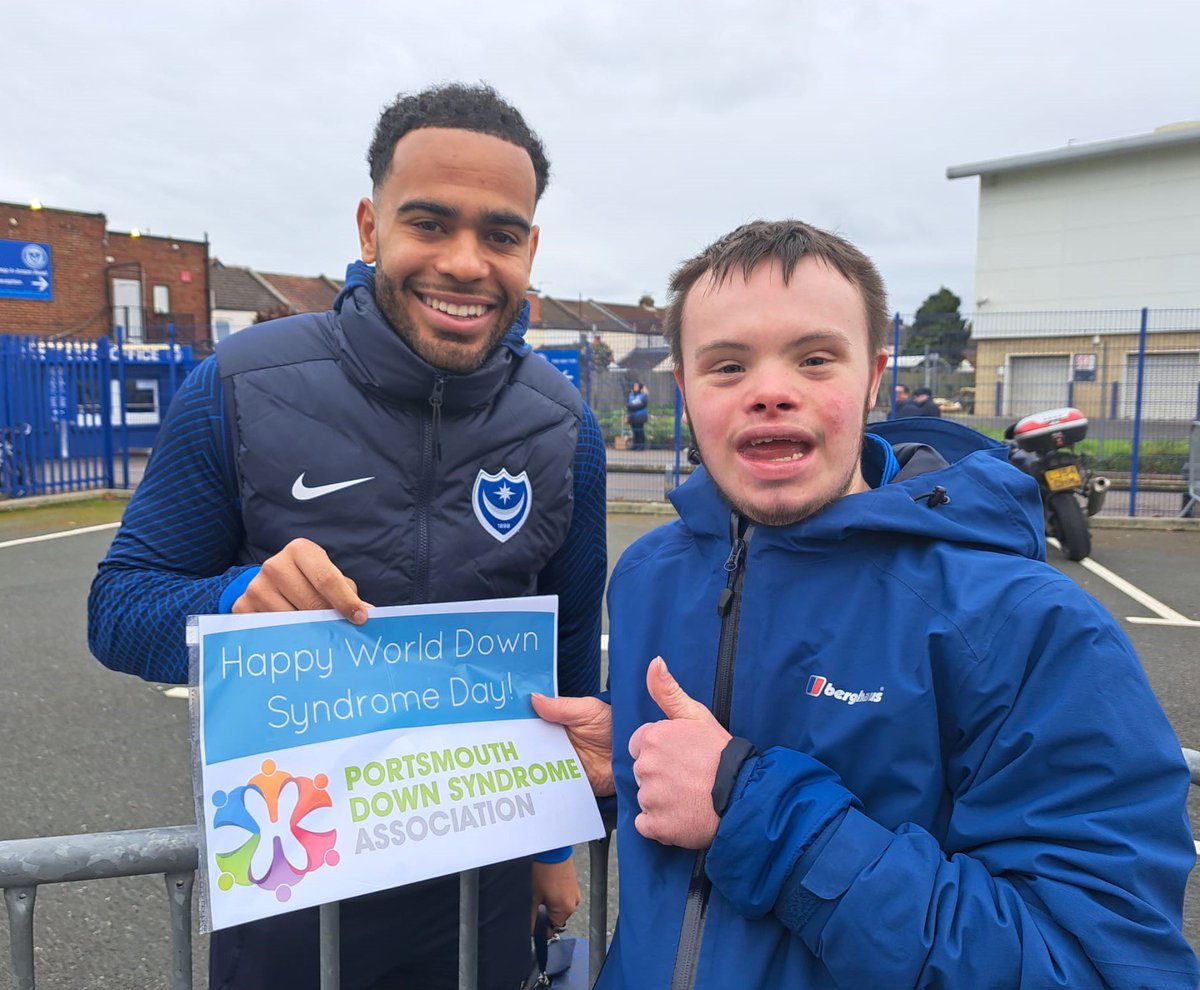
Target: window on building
<point x="140" y="402"/>
<point x="162" y="299"/>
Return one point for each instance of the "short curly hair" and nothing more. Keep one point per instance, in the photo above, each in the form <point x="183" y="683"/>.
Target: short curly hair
<point x="477" y="108"/>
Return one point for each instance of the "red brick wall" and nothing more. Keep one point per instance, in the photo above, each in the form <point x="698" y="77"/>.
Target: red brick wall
<point x="77" y="263"/>
<point x="83" y="255"/>
<point x="182" y="266"/>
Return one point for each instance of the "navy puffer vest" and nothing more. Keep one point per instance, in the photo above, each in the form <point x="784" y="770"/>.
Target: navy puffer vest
<point x="318" y="400"/>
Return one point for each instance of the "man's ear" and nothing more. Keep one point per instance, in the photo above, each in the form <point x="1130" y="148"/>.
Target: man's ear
<point x="366" y="230"/>
<point x="534" y="231"/>
<point x="881" y="360"/>
<point x="678" y="372"/>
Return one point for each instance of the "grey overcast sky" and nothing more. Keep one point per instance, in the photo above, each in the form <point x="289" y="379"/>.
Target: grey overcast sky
<point x="667" y="124"/>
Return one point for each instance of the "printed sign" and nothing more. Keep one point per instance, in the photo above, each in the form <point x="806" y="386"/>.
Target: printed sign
<point x="25" y="271"/>
<point x="1083" y="367"/>
<point x="333" y="760"/>
<point x="565" y="360"/>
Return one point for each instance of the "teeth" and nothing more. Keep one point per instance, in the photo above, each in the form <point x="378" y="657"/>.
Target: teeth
<point x="452" y="309"/>
<point x="798" y="455"/>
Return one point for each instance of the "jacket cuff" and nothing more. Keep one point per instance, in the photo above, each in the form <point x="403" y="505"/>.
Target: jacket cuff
<point x="825" y="872"/>
<point x="233" y="590"/>
<point x="782" y="801"/>
<point x="554" y="855"/>
<point x="736" y="752"/>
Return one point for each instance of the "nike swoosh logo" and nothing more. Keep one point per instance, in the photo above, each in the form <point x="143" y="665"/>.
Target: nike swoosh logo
<point x="302" y="492"/>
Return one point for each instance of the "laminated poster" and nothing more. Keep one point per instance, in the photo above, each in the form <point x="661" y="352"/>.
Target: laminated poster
<point x="333" y="760"/>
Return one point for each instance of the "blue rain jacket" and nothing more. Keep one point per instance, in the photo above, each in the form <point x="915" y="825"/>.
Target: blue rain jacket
<point x="962" y="777"/>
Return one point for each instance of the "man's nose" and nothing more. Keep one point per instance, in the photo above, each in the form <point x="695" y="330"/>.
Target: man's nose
<point x="774" y="389"/>
<point x="463" y="259"/>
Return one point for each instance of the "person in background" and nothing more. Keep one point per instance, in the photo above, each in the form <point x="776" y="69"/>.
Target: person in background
<point x="923" y="404"/>
<point x="904" y="404"/>
<point x="637" y="412"/>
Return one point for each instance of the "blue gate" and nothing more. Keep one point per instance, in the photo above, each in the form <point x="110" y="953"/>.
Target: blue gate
<point x="70" y="408"/>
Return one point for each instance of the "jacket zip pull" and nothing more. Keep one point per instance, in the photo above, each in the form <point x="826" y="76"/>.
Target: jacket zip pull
<point x="735" y="555"/>
<point x="435" y="400"/>
<point x="934" y="498"/>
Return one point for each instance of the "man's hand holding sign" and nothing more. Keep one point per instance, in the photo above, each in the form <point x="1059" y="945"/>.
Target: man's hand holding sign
<point x="302" y="577"/>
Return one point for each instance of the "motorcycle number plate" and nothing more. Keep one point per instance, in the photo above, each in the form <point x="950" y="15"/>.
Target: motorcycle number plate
<point x="1063" y="479"/>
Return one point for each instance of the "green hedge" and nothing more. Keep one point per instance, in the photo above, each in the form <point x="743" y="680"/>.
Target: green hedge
<point x="1156" y="457"/>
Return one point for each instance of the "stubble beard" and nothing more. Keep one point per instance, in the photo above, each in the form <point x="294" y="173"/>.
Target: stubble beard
<point x="443" y="355"/>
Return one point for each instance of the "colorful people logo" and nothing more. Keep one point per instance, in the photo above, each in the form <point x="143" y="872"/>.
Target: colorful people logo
<point x="279" y="850"/>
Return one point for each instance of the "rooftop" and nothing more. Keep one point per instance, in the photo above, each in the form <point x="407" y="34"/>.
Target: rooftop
<point x="1169" y="136"/>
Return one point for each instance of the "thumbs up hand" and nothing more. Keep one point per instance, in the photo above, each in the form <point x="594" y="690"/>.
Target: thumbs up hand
<point x="675" y="764"/>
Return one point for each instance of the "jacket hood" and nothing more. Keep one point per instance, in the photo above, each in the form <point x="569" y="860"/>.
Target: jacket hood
<point x="985" y="502"/>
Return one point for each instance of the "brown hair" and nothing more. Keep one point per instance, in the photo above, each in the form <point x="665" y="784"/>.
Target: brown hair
<point x="785" y="241"/>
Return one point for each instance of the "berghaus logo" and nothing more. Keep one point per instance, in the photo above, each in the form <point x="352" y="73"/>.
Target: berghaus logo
<point x="822" y="687"/>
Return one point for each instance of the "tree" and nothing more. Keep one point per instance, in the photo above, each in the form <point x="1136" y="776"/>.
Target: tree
<point x="939" y="327"/>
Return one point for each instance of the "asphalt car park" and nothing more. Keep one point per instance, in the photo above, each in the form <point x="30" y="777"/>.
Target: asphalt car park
<point x="83" y="749"/>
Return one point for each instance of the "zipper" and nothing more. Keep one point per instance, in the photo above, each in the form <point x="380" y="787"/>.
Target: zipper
<point x="431" y="453"/>
<point x="435" y="403"/>
<point x="729" y="608"/>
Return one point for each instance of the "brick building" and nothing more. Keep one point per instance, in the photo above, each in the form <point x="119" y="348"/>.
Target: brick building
<point x="96" y="278"/>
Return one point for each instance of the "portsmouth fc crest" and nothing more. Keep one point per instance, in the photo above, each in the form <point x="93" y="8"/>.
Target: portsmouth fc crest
<point x="502" y="502"/>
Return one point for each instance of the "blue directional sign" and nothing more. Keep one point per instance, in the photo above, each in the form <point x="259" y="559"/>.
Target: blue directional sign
<point x="566" y="361"/>
<point x="25" y="271"/>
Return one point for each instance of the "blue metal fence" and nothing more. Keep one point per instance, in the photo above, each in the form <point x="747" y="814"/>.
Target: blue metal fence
<point x="72" y="410"/>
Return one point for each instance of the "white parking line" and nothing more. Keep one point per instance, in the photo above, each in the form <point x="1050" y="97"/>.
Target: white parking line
<point x="1167" y="616"/>
<point x="59" y="535"/>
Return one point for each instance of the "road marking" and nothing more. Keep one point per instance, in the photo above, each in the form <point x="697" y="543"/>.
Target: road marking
<point x="1167" y="616"/>
<point x="59" y="535"/>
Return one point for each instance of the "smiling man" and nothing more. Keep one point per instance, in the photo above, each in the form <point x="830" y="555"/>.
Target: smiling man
<point x="898" y="750"/>
<point x="404" y="448"/>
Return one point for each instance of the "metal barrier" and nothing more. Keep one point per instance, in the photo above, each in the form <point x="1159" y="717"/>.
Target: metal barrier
<point x="26" y="864"/>
<point x="1191" y="471"/>
<point x="1193" y="762"/>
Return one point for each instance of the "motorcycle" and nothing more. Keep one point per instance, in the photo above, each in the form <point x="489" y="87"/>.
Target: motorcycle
<point x="1041" y="446"/>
